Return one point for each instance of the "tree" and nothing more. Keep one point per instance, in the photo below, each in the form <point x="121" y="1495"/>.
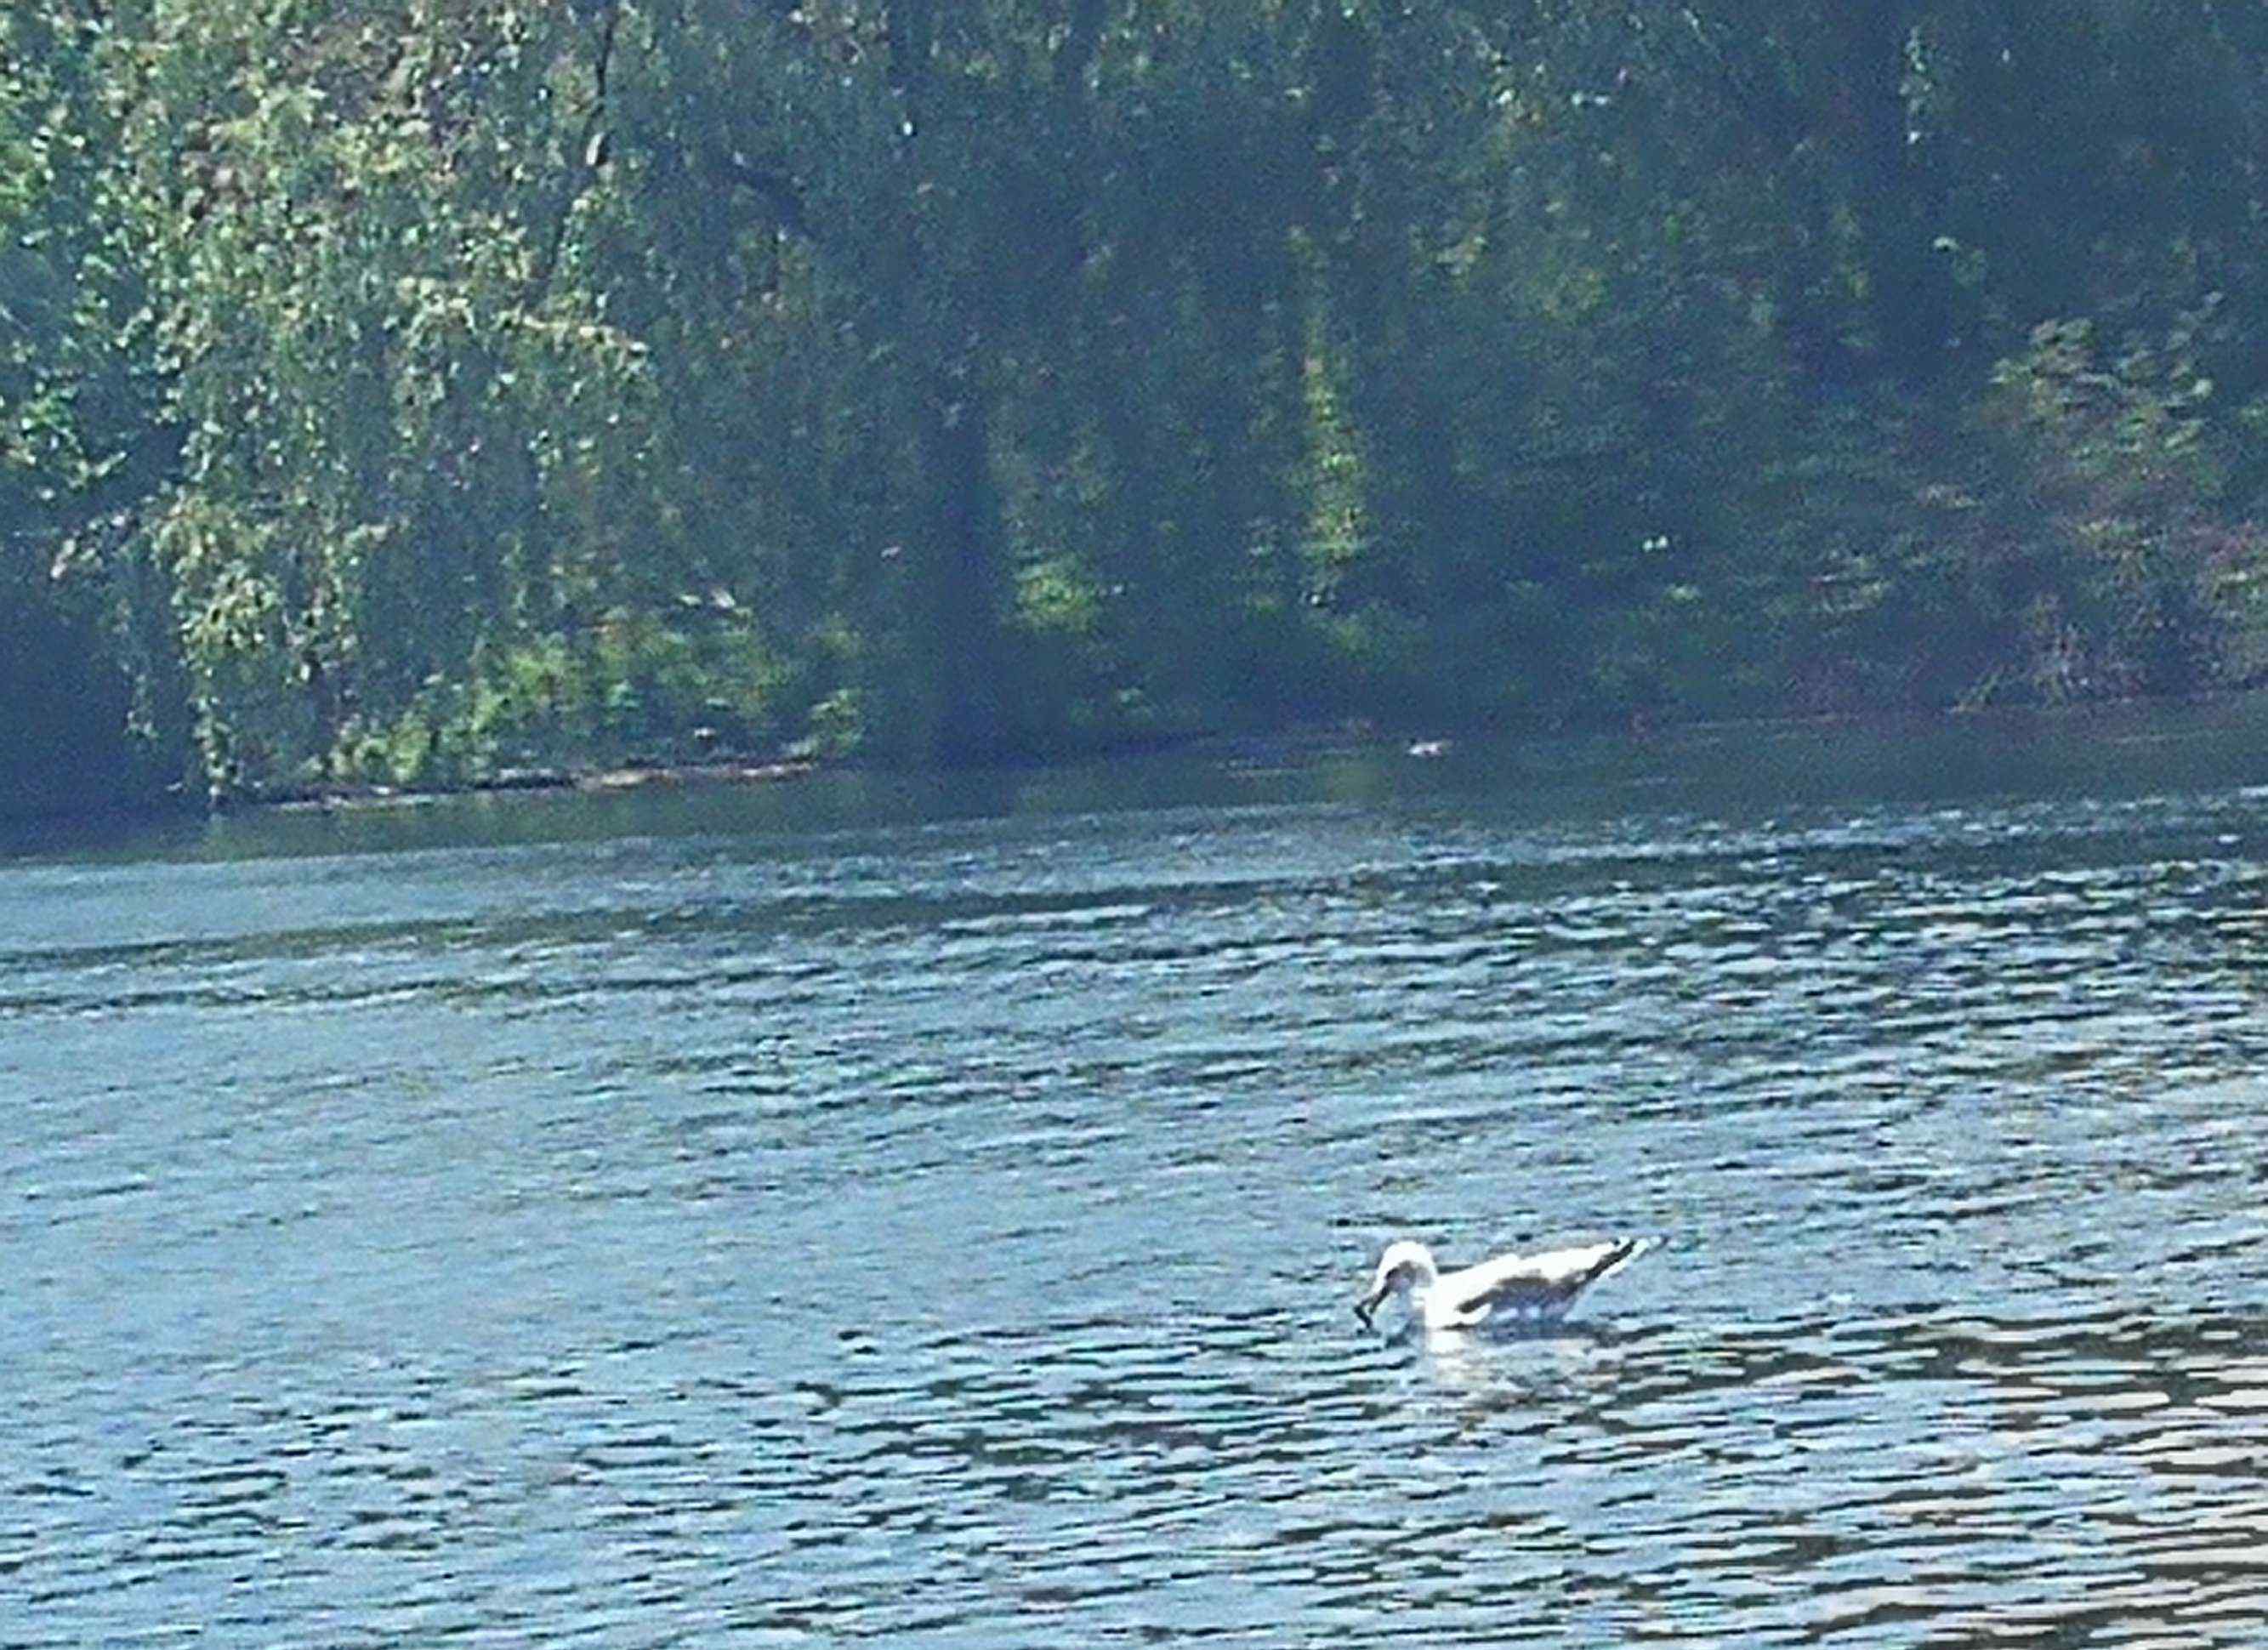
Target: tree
<point x="74" y="439"/>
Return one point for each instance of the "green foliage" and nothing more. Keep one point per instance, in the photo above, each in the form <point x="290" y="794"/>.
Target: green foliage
<point x="2126" y="479"/>
<point x="636" y="687"/>
<point x="399" y="429"/>
<point x="406" y="392"/>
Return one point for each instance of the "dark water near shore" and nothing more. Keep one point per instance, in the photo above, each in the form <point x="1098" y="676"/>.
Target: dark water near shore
<point x="870" y="1212"/>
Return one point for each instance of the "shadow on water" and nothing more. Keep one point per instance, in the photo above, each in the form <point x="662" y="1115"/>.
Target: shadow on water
<point x="1738" y="772"/>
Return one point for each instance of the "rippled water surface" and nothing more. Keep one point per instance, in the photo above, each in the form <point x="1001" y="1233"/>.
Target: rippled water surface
<point x="713" y="1219"/>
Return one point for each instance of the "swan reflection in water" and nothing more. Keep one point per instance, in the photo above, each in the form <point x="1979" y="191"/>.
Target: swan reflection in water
<point x="1514" y="1367"/>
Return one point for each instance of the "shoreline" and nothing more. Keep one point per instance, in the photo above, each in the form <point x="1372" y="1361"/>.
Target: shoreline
<point x="611" y="779"/>
<point x="1293" y="743"/>
<point x="1289" y="745"/>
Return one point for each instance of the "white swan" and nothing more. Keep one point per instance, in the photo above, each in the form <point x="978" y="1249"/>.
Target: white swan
<point x="1533" y="1285"/>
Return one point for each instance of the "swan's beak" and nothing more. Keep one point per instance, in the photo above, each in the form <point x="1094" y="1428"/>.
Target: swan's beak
<point x="1368" y="1304"/>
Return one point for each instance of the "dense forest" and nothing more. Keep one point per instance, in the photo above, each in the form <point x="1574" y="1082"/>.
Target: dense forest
<point x="405" y="391"/>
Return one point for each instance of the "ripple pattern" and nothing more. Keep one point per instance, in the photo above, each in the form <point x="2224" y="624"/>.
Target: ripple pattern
<point x="945" y="1235"/>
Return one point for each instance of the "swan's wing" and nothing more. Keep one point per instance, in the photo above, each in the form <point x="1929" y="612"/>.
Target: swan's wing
<point x="1545" y="1284"/>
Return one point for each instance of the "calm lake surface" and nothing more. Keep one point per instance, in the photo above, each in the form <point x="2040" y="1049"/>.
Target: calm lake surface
<point x="927" y="1213"/>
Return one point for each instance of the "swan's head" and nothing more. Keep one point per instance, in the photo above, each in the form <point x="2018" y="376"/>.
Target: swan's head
<point x="1404" y="1266"/>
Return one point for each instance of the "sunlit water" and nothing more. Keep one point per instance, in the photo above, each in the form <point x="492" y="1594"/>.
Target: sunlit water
<point x="704" y="1220"/>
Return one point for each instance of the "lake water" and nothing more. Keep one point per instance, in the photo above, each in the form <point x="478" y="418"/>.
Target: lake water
<point x="928" y="1213"/>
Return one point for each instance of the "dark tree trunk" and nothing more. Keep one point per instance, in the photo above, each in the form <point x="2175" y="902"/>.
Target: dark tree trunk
<point x="1908" y="280"/>
<point x="961" y="571"/>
